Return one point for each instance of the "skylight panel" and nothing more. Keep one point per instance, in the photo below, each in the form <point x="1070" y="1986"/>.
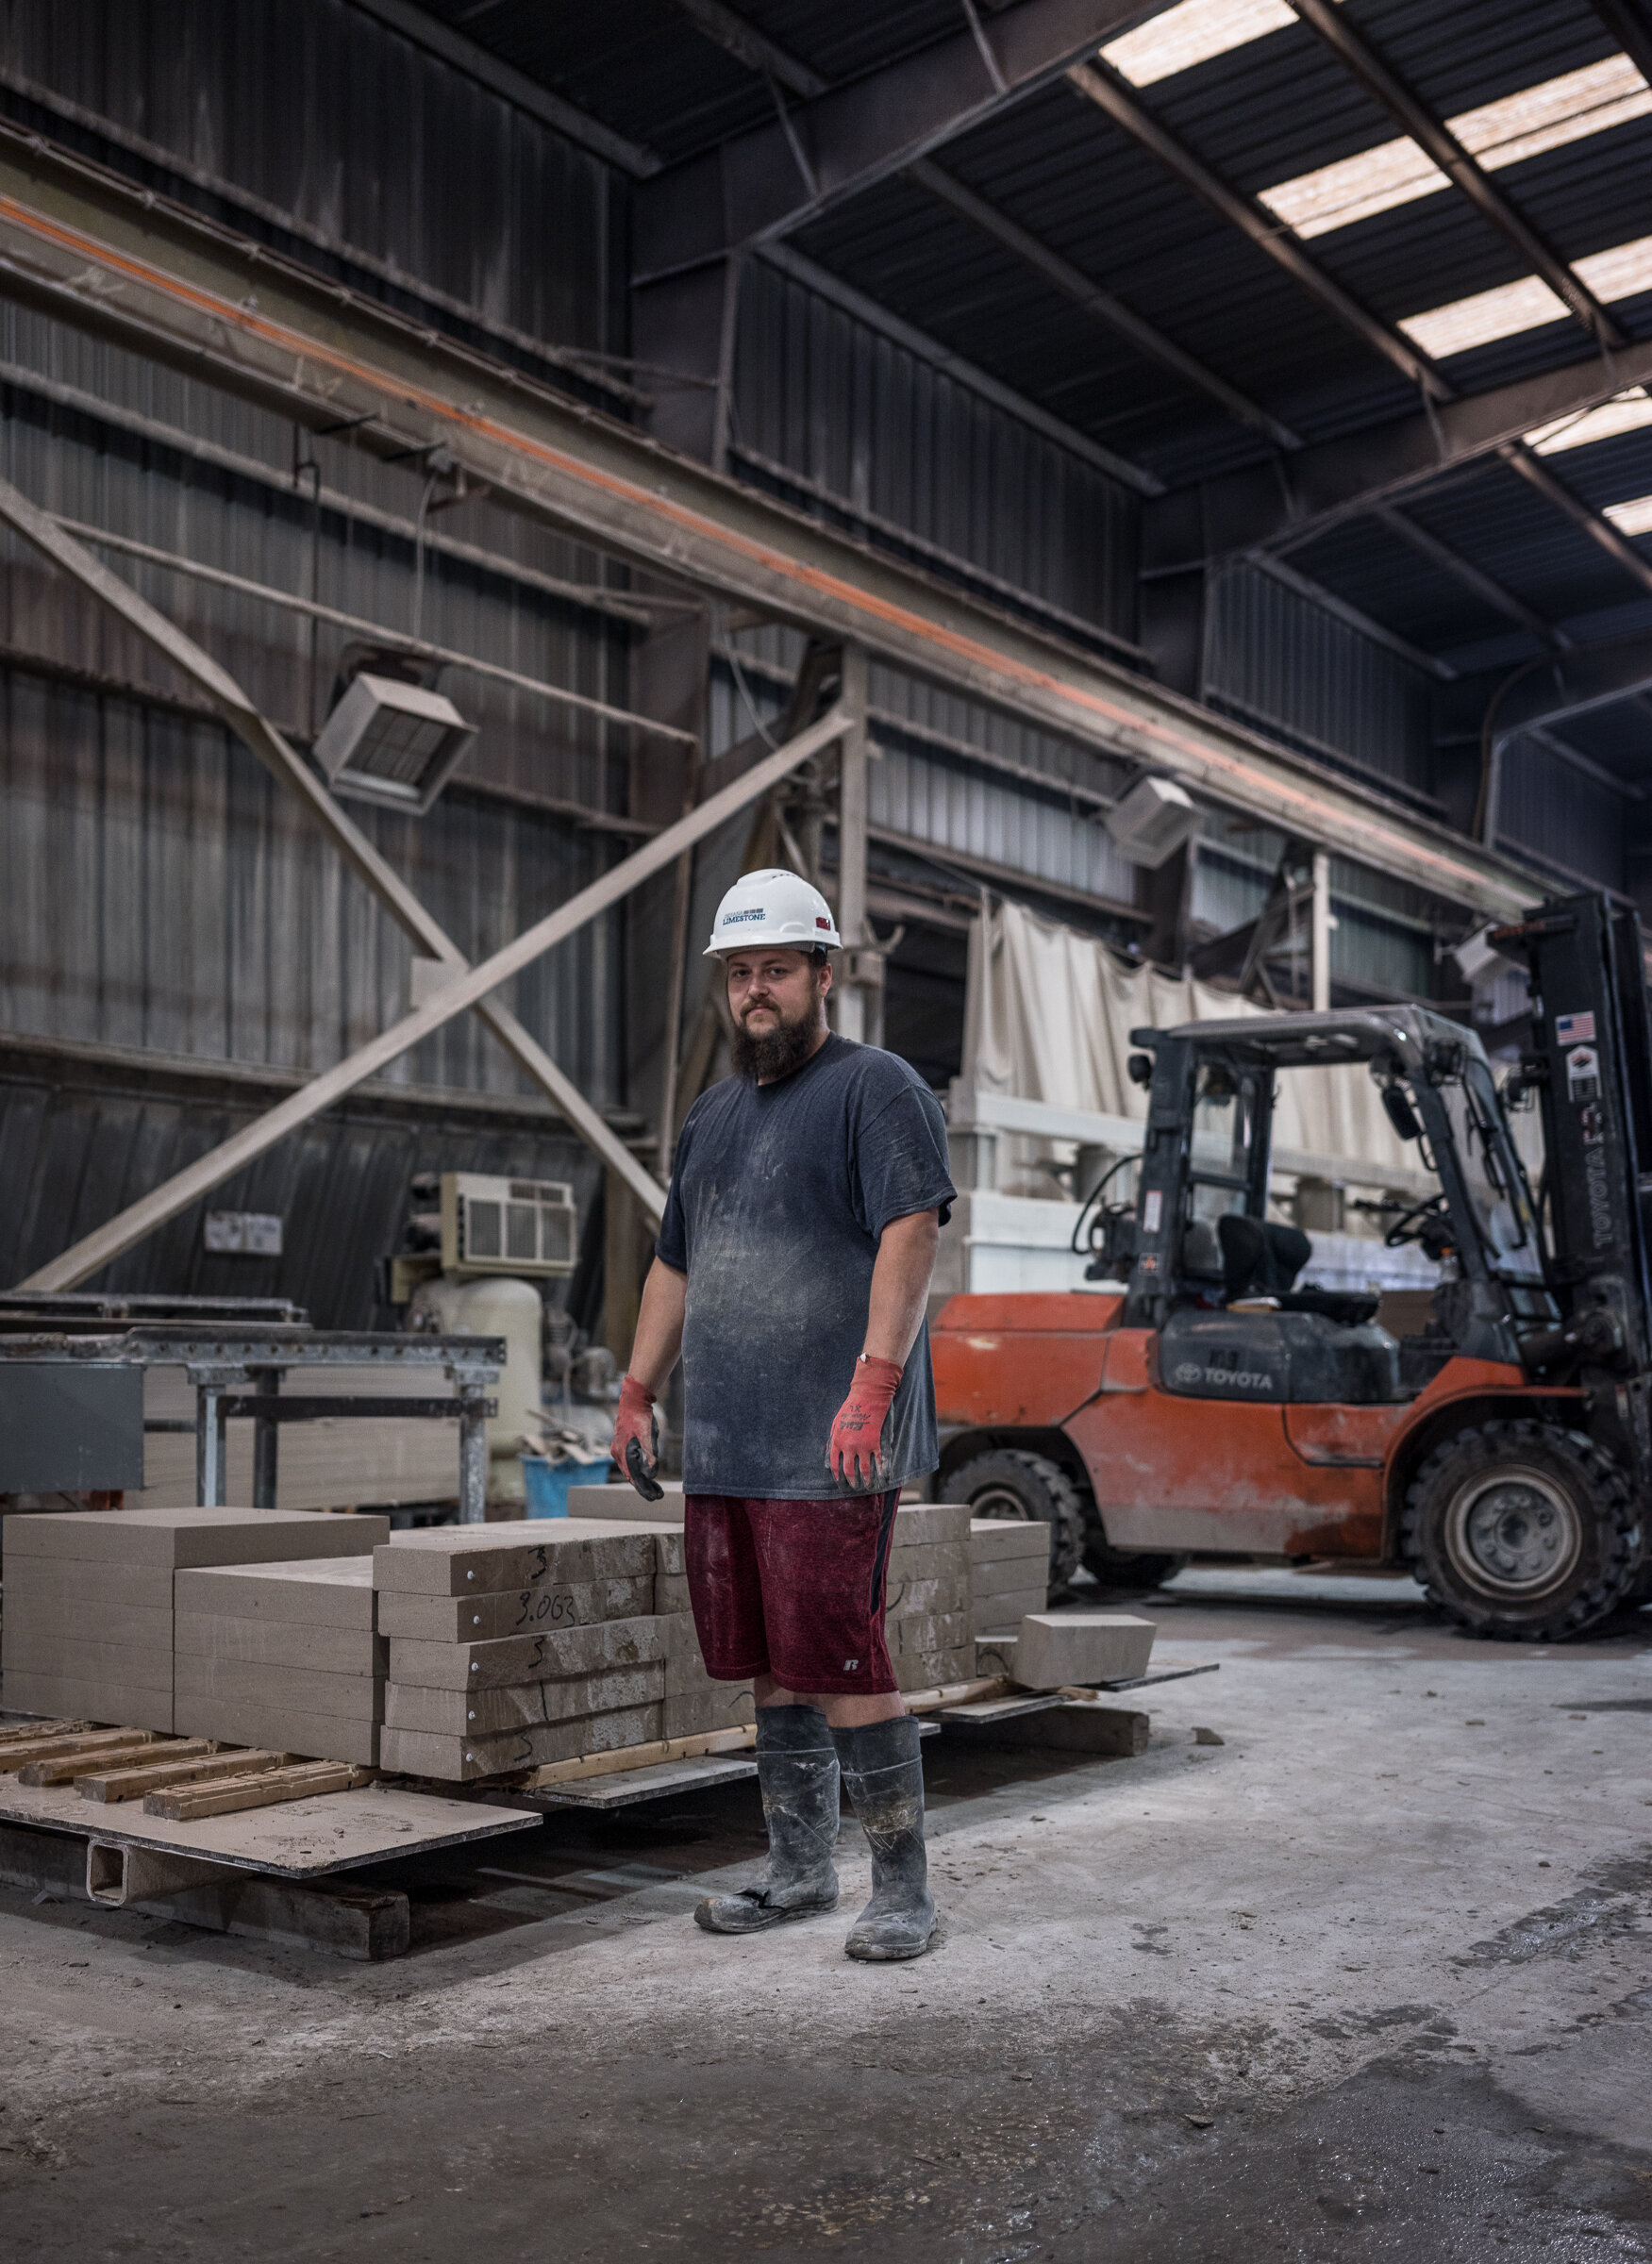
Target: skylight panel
<point x="1191" y="33"/>
<point x="1500" y="133"/>
<point x="1629" y="412"/>
<point x="1563" y="110"/>
<point x="1354" y="189"/>
<point x="1631" y="518"/>
<point x="1620" y="273"/>
<point x="1484" y="317"/>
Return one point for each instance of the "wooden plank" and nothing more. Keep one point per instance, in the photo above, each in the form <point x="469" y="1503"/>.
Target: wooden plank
<point x="266" y="1790"/>
<point x="66" y="1769"/>
<point x="93" y="1741"/>
<point x="132" y="1784"/>
<point x="27" y="1733"/>
<point x="958" y="1694"/>
<point x="621" y="1789"/>
<point x="636" y="1757"/>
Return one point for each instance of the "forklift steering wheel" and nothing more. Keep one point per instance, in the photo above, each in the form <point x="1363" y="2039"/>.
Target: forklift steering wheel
<point x="1413" y="1225"/>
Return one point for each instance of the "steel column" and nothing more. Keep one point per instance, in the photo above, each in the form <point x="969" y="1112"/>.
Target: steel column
<point x="852" y="815"/>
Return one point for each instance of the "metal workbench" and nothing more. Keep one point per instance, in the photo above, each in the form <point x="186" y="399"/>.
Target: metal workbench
<point x="237" y="1368"/>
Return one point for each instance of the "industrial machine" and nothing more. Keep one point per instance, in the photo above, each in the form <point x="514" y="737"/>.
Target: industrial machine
<point x="470" y="1267"/>
<point x="1502" y="1454"/>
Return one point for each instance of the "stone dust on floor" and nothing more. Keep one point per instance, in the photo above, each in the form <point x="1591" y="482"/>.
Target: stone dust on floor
<point x="1362" y="1970"/>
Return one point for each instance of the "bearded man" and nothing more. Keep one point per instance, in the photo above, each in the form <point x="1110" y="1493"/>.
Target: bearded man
<point x="792" y="1266"/>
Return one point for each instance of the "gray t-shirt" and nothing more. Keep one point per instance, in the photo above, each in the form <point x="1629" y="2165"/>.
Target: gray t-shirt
<point x="778" y="1198"/>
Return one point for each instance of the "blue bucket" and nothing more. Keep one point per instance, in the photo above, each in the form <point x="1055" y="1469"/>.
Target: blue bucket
<point x="548" y="1482"/>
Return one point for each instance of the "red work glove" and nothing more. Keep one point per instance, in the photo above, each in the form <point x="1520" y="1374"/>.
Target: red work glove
<point x="634" y="1427"/>
<point x="857" y="1426"/>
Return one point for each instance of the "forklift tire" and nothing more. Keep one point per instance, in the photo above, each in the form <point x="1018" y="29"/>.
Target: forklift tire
<point x="1522" y="1531"/>
<point x="1010" y="1483"/>
<point x="1127" y="1571"/>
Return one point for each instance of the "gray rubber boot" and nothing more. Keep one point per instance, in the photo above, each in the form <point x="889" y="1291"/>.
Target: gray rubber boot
<point x="883" y="1775"/>
<point x="797" y="1772"/>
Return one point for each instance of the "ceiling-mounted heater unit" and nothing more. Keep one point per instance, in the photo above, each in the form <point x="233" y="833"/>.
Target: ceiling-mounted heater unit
<point x="1151" y="820"/>
<point x="391" y="743"/>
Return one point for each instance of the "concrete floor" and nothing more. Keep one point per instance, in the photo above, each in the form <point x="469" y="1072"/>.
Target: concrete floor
<point x="1371" y="1978"/>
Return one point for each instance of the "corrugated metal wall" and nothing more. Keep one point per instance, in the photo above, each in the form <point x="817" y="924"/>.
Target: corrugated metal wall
<point x="1275" y="659"/>
<point x="1568" y="818"/>
<point x="884" y="443"/>
<point x="317" y="109"/>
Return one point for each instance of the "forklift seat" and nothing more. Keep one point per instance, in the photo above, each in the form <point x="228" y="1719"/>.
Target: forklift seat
<point x="1262" y="1259"/>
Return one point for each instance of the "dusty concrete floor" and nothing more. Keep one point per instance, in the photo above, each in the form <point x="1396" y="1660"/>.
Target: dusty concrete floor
<point x="1373" y="1978"/>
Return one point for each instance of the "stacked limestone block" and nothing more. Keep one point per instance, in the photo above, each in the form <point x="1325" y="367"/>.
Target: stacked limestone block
<point x="927" y="1623"/>
<point x="281" y="1656"/>
<point x="90" y="1598"/>
<point x="516" y="1645"/>
<point x="693" y="1701"/>
<point x="1009" y="1571"/>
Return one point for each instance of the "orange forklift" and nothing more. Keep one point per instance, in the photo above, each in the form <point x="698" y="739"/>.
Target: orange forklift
<point x="1207" y="1407"/>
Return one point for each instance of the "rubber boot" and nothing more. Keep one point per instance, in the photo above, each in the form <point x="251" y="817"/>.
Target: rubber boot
<point x="884" y="1775"/>
<point x="797" y="1773"/>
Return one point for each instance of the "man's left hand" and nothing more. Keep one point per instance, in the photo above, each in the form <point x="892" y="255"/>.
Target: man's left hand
<point x="858" y="1427"/>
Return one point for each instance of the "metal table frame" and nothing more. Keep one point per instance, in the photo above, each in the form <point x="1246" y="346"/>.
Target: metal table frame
<point x="236" y="1372"/>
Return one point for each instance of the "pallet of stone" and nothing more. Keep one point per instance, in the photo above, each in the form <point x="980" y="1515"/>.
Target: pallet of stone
<point x="282" y="1656"/>
<point x="524" y="1650"/>
<point x="89" y="1622"/>
<point x="926" y="1589"/>
<point x="538" y="1555"/>
<point x="1009" y="1573"/>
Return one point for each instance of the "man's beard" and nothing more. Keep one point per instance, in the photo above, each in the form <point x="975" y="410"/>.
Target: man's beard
<point x="774" y="1053"/>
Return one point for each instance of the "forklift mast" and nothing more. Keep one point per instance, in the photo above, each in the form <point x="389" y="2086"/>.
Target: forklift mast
<point x="1591" y="1065"/>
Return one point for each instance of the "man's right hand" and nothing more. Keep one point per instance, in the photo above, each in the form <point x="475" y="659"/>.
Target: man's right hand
<point x="634" y="1427"/>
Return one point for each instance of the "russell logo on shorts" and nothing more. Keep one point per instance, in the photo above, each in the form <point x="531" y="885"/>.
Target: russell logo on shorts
<point x="851" y="1666"/>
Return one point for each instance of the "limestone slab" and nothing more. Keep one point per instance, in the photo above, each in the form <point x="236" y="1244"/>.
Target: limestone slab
<point x="175" y="1538"/>
<point x="993" y="1537"/>
<point x="528" y="1658"/>
<point x="281" y="1644"/>
<point x="304" y="1690"/>
<point x="75" y="1698"/>
<point x="950" y="1593"/>
<point x="1002" y="1615"/>
<point x="135" y="1666"/>
<point x="283" y="1729"/>
<point x="523" y="1704"/>
<point x="1057" y="1648"/>
<point x="316" y="1591"/>
<point x="1009" y="1575"/>
<point x="513" y="1612"/>
<point x="458" y="1560"/>
<point x="928" y="1631"/>
<point x="720" y="1706"/>
<point x="56" y="1619"/>
<point x="76" y="1580"/>
<point x="417" y="1753"/>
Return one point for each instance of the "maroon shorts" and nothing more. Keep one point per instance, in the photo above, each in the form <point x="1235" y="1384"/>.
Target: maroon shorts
<point x="791" y="1589"/>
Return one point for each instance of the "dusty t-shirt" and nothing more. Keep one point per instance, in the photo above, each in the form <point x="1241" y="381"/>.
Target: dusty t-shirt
<point x="778" y="1198"/>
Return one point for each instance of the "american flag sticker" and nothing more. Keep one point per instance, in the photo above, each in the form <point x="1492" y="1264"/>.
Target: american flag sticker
<point x="1573" y="1029"/>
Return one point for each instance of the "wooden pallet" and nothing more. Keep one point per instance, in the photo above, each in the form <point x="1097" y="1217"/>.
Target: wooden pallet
<point x="176" y="1777"/>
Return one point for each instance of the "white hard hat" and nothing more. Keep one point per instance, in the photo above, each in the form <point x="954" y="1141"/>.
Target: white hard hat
<point x="776" y="907"/>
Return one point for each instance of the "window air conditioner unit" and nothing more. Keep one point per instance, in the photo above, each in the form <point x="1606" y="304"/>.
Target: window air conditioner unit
<point x="1151" y="820"/>
<point x="391" y="743"/>
<point x="526" y="1226"/>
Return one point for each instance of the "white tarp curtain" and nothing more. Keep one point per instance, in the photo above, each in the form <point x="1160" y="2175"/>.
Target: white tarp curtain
<point x="1047" y="1017"/>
